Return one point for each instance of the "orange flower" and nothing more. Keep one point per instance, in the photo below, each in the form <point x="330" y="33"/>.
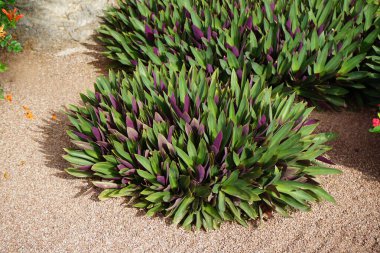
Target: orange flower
<point x="29" y="115"/>
<point x="2" y="32"/>
<point x="12" y="14"/>
<point x="54" y="116"/>
<point x="9" y="98"/>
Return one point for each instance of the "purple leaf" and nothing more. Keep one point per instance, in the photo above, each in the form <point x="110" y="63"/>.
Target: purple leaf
<point x="262" y="121"/>
<point x="134" y="62"/>
<point x="248" y="24"/>
<point x="226" y="24"/>
<point x="170" y="133"/>
<point x="321" y="29"/>
<point x="114" y="102"/>
<point x="188" y="129"/>
<point x="209" y="33"/>
<point x="198" y="34"/>
<point x="198" y="102"/>
<point x="132" y="134"/>
<point x="270" y="50"/>
<point x="272" y="6"/>
<point x="239" y="73"/>
<point x="161" y="180"/>
<point x="149" y="33"/>
<point x="135" y="108"/>
<point x="156" y="52"/>
<point x="310" y="122"/>
<point x="81" y="135"/>
<point x="157" y="117"/>
<point x="186" y="104"/>
<point x="85" y="167"/>
<point x="121" y="166"/>
<point x="175" y="205"/>
<point x="235" y="51"/>
<point x="245" y="129"/>
<point x="186" y="117"/>
<point x="98" y="96"/>
<point x="217" y="142"/>
<point x="269" y="58"/>
<point x="96" y="133"/>
<point x="289" y="25"/>
<point x="154" y="79"/>
<point x="201" y="129"/>
<point x="163" y="86"/>
<point x="216" y="99"/>
<point x="210" y="69"/>
<point x="125" y="163"/>
<point x="200" y="173"/>
<point x="125" y="180"/>
<point x="325" y="160"/>
<point x="129" y="122"/>
<point x="173" y="102"/>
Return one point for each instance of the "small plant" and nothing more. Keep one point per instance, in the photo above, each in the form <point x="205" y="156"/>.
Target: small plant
<point x="313" y="47"/>
<point x="9" y="16"/>
<point x="195" y="149"/>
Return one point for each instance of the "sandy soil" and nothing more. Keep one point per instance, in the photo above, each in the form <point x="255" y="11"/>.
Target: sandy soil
<point x="44" y="210"/>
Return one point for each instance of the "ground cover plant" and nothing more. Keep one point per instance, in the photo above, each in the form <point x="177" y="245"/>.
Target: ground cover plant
<point x="314" y="47"/>
<point x="9" y="16"/>
<point x="195" y="149"/>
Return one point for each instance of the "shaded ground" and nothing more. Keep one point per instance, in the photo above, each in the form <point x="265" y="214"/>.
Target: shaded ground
<point x="44" y="210"/>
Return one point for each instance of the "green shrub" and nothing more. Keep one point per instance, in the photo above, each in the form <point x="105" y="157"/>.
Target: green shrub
<point x="9" y="16"/>
<point x="314" y="47"/>
<point x="195" y="149"/>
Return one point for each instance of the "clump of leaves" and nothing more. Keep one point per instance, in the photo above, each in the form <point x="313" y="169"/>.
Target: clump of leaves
<point x="314" y="47"/>
<point x="195" y="149"/>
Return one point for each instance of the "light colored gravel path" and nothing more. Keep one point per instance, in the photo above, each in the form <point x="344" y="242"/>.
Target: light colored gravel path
<point x="43" y="210"/>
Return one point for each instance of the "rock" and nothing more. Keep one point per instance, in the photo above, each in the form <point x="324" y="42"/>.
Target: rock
<point x="52" y="23"/>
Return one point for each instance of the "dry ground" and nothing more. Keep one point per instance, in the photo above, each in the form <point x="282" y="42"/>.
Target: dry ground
<point x="44" y="210"/>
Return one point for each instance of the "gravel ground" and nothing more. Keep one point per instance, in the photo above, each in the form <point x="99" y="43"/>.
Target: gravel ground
<point x="44" y="210"/>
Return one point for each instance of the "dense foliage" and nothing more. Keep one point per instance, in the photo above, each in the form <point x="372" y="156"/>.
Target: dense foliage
<point x="314" y="47"/>
<point x="9" y="16"/>
<point x="198" y="150"/>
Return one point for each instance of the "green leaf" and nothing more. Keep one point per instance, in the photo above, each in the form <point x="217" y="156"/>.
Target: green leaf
<point x="351" y="64"/>
<point x="144" y="162"/>
<point x="236" y="192"/>
<point x="157" y="196"/>
<point x="104" y="168"/>
<point x="77" y="160"/>
<point x="182" y="209"/>
<point x="78" y="173"/>
<point x="316" y="170"/>
<point x="146" y="175"/>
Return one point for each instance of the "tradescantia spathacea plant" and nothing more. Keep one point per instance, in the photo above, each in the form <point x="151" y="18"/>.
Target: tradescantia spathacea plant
<point x="314" y="47"/>
<point x="195" y="149"/>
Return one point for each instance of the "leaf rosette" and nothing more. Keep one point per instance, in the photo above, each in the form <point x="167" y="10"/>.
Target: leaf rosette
<point x="198" y="150"/>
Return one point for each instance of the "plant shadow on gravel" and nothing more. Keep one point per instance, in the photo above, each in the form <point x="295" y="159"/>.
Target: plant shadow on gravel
<point x="355" y="146"/>
<point x="101" y="63"/>
<point x="54" y="140"/>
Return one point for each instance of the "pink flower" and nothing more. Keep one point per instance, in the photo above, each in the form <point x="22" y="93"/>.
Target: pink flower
<point x="375" y="122"/>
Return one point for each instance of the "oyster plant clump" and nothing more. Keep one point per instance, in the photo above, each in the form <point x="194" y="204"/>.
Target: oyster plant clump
<point x="316" y="48"/>
<point x="198" y="150"/>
